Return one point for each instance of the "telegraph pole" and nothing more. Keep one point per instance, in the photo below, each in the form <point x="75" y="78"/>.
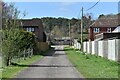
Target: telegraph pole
<point x="82" y="30"/>
<point x="69" y="33"/>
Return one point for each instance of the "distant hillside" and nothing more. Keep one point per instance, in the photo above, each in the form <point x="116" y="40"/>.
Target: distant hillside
<point x="59" y="27"/>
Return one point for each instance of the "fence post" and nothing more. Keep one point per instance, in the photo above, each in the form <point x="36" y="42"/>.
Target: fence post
<point x="105" y="49"/>
<point x="117" y="55"/>
<point x="111" y="49"/>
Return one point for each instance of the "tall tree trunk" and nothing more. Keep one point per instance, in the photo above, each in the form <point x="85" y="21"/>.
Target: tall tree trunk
<point x="7" y="61"/>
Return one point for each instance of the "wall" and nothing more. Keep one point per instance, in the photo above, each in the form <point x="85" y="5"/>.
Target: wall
<point x="77" y="46"/>
<point x="102" y="30"/>
<point x="109" y="49"/>
<point x="43" y="46"/>
<point x="94" y="47"/>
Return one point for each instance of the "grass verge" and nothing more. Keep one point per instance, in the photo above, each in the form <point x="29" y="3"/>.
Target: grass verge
<point x="12" y="70"/>
<point x="92" y="66"/>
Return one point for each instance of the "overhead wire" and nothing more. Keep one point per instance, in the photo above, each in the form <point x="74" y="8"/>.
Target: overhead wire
<point x="79" y="13"/>
<point x="93" y="6"/>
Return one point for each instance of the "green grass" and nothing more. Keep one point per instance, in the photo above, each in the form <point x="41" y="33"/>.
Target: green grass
<point x="0" y="61"/>
<point x="12" y="70"/>
<point x="92" y="66"/>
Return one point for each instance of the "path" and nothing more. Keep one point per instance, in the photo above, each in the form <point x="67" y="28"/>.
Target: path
<point x="55" y="66"/>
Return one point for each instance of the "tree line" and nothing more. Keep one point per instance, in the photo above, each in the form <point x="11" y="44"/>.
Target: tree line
<point x="59" y="27"/>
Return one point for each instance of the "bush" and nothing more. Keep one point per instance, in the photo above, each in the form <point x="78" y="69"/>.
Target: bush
<point x="88" y="56"/>
<point x="84" y="39"/>
<point x="83" y="53"/>
<point x="15" y="41"/>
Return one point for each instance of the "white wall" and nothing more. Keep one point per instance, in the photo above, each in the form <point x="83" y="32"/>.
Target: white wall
<point x="85" y="46"/>
<point x="77" y="45"/>
<point x="88" y="47"/>
<point x="117" y="50"/>
<point x="109" y="49"/>
<point x="100" y="48"/>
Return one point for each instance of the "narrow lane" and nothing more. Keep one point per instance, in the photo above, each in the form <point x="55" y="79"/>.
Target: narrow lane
<point x="56" y="65"/>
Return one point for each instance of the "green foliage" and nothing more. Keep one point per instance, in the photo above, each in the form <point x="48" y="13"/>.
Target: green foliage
<point x="26" y="40"/>
<point x="84" y="39"/>
<point x="14" y="41"/>
<point x="12" y="70"/>
<point x="60" y="26"/>
<point x="83" y="33"/>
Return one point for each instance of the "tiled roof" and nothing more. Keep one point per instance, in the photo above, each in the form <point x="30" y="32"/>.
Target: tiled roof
<point x="31" y="22"/>
<point x="106" y="21"/>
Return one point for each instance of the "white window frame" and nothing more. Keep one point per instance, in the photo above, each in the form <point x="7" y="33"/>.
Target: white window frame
<point x="109" y="30"/>
<point x="32" y="29"/>
<point x="27" y="29"/>
<point x="96" y="30"/>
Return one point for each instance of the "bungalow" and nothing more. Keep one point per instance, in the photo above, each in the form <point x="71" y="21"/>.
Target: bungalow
<point x="102" y="25"/>
<point x="35" y="26"/>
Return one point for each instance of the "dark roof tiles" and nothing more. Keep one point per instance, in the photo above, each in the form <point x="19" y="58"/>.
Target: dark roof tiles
<point x="106" y="22"/>
<point x="31" y="22"/>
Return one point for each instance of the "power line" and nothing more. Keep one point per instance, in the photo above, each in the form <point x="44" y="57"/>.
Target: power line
<point x="93" y="6"/>
<point x="79" y="13"/>
<point x="87" y="9"/>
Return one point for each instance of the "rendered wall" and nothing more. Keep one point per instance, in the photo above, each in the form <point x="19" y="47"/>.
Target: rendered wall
<point x="109" y="49"/>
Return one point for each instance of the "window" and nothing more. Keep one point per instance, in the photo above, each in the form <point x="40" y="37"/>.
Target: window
<point x="108" y="29"/>
<point x="96" y="30"/>
<point x="30" y="29"/>
<point x="27" y="29"/>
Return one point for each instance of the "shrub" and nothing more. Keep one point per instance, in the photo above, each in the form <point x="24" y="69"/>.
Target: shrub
<point x="84" y="39"/>
<point x="15" y="41"/>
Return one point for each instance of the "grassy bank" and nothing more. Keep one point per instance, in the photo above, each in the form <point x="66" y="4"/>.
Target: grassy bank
<point x="12" y="70"/>
<point x="92" y="66"/>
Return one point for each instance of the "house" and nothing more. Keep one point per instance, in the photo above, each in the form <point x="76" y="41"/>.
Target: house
<point x="62" y="41"/>
<point x="35" y="26"/>
<point x="105" y="36"/>
<point x="102" y="25"/>
<point x="117" y="29"/>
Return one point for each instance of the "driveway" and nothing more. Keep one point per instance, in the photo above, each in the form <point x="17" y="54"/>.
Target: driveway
<point x="56" y="65"/>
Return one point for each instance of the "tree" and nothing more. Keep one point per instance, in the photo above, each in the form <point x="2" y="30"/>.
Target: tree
<point x="13" y="38"/>
<point x="101" y="16"/>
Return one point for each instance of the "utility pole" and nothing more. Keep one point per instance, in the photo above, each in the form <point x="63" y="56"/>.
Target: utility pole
<point x="82" y="30"/>
<point x="69" y="32"/>
<point x="0" y="15"/>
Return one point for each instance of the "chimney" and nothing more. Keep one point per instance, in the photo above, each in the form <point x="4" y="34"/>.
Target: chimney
<point x="89" y="20"/>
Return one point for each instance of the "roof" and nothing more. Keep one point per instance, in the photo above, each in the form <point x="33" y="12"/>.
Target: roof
<point x="106" y="21"/>
<point x="117" y="29"/>
<point x="31" y="22"/>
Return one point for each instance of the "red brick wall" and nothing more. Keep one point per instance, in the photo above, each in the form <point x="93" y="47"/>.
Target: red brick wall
<point x="102" y="30"/>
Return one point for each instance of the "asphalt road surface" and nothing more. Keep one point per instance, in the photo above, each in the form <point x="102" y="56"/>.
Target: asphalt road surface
<point x="56" y="65"/>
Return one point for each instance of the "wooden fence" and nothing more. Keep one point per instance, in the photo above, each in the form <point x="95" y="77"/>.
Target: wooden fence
<point x="43" y="46"/>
